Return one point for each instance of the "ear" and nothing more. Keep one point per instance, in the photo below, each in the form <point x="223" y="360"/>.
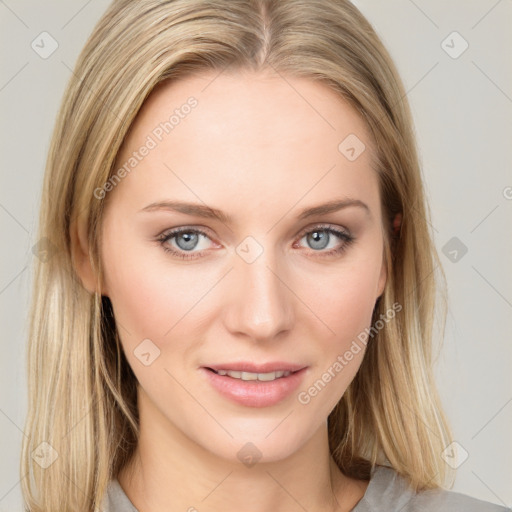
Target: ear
<point x="396" y="226"/>
<point x="80" y="255"/>
<point x="382" y="278"/>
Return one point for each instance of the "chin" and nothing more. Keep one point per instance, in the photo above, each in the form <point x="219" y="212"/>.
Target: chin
<point x="256" y="441"/>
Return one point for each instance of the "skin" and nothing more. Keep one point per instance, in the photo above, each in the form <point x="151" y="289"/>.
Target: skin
<point x="261" y="149"/>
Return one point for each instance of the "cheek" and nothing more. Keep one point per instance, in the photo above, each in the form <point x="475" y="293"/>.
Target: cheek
<point x="344" y="303"/>
<point x="150" y="300"/>
<point x="344" y="299"/>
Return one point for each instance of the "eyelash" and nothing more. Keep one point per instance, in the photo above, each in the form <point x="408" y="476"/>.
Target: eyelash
<point x="165" y="237"/>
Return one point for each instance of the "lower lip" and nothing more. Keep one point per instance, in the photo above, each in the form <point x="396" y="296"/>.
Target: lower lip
<point x="255" y="393"/>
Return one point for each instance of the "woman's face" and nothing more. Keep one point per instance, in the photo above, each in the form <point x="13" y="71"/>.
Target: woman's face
<point x="251" y="280"/>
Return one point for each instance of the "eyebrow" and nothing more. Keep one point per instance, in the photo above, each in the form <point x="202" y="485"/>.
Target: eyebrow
<point x="208" y="212"/>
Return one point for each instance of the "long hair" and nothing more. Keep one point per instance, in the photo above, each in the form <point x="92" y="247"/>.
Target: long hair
<point x="82" y="421"/>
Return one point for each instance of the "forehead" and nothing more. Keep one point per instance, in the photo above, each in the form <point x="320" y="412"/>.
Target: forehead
<point x="274" y="107"/>
<point x="249" y="136"/>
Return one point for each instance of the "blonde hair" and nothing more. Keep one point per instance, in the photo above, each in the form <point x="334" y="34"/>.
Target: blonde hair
<point x="82" y="392"/>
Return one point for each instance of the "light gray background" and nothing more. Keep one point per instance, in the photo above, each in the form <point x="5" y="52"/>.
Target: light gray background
<point x="463" y="111"/>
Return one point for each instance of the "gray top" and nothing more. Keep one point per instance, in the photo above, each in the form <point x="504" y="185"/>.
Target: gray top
<point x="387" y="491"/>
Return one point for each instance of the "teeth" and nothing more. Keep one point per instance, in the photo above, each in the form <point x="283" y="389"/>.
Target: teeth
<point x="254" y="376"/>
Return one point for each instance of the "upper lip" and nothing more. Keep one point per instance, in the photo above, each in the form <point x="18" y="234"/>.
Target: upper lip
<point x="244" y="366"/>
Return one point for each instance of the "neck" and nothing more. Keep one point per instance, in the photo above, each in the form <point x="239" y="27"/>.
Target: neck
<point x="169" y="471"/>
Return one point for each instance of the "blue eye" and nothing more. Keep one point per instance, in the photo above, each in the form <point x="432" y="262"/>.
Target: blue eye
<point x="320" y="237"/>
<point x="187" y="239"/>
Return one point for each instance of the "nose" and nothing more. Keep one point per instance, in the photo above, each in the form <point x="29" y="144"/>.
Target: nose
<point x="258" y="301"/>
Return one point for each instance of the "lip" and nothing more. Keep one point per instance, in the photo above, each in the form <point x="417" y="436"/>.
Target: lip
<point x="254" y="393"/>
<point x="246" y="366"/>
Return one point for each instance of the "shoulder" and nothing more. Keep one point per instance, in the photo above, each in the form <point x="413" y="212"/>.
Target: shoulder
<point x="115" y="499"/>
<point x="442" y="500"/>
<point x="389" y="491"/>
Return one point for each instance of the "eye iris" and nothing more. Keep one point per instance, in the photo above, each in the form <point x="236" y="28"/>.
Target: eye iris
<point x="187" y="240"/>
<point x="190" y="240"/>
<point x="318" y="236"/>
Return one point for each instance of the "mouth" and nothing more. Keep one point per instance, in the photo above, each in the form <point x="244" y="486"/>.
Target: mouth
<point x="249" y="376"/>
<point x="255" y="388"/>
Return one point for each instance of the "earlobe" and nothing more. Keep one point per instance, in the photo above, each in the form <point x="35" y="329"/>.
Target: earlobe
<point x="80" y="256"/>
<point x="382" y="278"/>
<point x="396" y="227"/>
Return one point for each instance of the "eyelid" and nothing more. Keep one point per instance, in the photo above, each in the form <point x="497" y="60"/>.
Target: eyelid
<point x="201" y="229"/>
<point x="322" y="225"/>
<point x="341" y="232"/>
<point x="169" y="234"/>
<point x="205" y="231"/>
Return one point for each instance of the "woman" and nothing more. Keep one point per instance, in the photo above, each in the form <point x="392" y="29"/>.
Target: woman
<point x="238" y="311"/>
